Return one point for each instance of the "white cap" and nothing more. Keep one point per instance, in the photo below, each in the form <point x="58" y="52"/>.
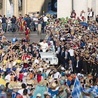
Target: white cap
<point x="25" y="74"/>
<point x="38" y="95"/>
<point x="40" y="69"/>
<point x="47" y="93"/>
<point x="48" y="66"/>
<point x="62" y="68"/>
<point x="80" y="75"/>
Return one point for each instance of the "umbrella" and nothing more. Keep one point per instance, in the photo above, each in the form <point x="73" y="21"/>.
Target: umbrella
<point x="2" y="82"/>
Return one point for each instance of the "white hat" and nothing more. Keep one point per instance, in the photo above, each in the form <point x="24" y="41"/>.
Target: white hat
<point x="47" y="93"/>
<point x="40" y="69"/>
<point x="31" y="69"/>
<point x="25" y="74"/>
<point x="80" y="75"/>
<point x="62" y="68"/>
<point x="48" y="66"/>
<point x="38" y="95"/>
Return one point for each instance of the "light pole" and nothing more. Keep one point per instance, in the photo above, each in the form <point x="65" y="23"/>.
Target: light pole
<point x="72" y="5"/>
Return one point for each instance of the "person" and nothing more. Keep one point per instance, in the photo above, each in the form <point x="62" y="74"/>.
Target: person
<point x="65" y="57"/>
<point x="9" y="24"/>
<point x="77" y="47"/>
<point x="35" y="21"/>
<point x="23" y="85"/>
<point x="44" y="46"/>
<point x="20" y="23"/>
<point x="72" y="54"/>
<point x="90" y="14"/>
<point x="78" y="65"/>
<point x="39" y="27"/>
<point x="0" y="22"/>
<point x="27" y="32"/>
<point x="97" y="18"/>
<point x="28" y="21"/>
<point x="2" y="92"/>
<point x="4" y="23"/>
<point x="25" y="93"/>
<point x="45" y="20"/>
<point x="70" y="66"/>
<point x="47" y="95"/>
<point x="39" y="76"/>
<point x="38" y="95"/>
<point x="13" y="21"/>
<point x="82" y="15"/>
<point x="73" y="14"/>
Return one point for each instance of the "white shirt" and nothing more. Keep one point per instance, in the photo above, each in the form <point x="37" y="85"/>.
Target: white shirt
<point x="45" y="19"/>
<point x="90" y="13"/>
<point x="35" y="19"/>
<point x="83" y="14"/>
<point x="9" y="22"/>
<point x="25" y="77"/>
<point x="77" y="64"/>
<point x="97" y="57"/>
<point x="58" y="50"/>
<point x="36" y="61"/>
<point x="0" y="19"/>
<point x="57" y="75"/>
<point x="71" y="51"/>
<point x="48" y="71"/>
<point x="8" y="77"/>
<point x="44" y="46"/>
<point x="21" y="91"/>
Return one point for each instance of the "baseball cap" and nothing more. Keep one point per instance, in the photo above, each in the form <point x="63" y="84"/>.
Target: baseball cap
<point x="38" y="95"/>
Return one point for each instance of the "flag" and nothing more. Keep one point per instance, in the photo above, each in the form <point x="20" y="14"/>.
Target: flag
<point x="77" y="89"/>
<point x="93" y="91"/>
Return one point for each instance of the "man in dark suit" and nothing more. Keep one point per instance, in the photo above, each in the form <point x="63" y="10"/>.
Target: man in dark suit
<point x="62" y="56"/>
<point x="58" y="52"/>
<point x="78" y="65"/>
<point x="65" y="56"/>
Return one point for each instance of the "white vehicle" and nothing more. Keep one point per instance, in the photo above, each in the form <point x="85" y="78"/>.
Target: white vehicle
<point x="49" y="57"/>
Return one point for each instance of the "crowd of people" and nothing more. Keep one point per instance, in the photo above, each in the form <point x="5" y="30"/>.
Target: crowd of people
<point x="14" y="24"/>
<point x="23" y="74"/>
<point x="24" y="25"/>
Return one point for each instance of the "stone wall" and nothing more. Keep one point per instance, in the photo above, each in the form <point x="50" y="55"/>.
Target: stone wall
<point x="29" y="6"/>
<point x="65" y="7"/>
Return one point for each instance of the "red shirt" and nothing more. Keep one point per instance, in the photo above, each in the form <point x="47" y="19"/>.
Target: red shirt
<point x="21" y="76"/>
<point x="38" y="77"/>
<point x="24" y="57"/>
<point x="27" y="31"/>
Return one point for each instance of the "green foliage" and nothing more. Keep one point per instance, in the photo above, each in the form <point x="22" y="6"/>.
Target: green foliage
<point x="64" y="20"/>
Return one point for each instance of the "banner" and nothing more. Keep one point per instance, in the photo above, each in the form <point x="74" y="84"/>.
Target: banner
<point x="54" y="5"/>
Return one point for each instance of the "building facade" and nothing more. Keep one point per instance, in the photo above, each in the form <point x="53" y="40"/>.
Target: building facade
<point x="65" y="7"/>
<point x="16" y="7"/>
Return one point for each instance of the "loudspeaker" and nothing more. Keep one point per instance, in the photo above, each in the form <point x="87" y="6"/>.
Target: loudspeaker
<point x="54" y="5"/>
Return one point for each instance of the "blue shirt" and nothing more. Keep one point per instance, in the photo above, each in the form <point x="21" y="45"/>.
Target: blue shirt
<point x="53" y="92"/>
